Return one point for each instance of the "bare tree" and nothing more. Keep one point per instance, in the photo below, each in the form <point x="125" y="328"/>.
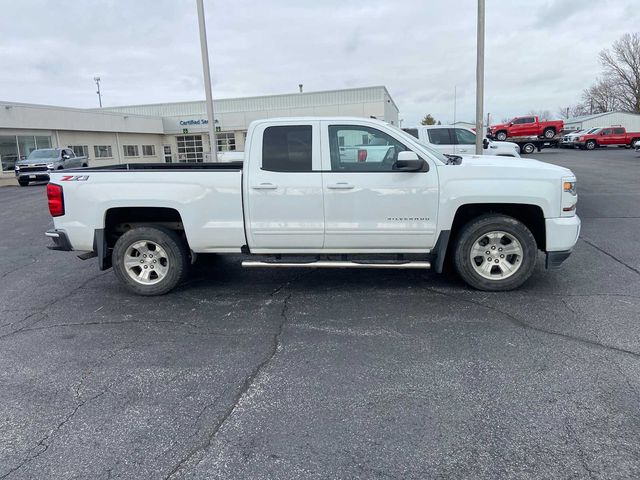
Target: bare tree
<point x="622" y="70"/>
<point x="542" y="114"/>
<point x="603" y="96"/>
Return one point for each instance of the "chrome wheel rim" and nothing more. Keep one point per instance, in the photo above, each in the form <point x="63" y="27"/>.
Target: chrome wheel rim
<point x="496" y="255"/>
<point x="146" y="262"/>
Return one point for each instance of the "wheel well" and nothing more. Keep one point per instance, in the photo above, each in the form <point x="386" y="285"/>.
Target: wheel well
<point x="550" y="128"/>
<point x="119" y="220"/>
<point x="530" y="215"/>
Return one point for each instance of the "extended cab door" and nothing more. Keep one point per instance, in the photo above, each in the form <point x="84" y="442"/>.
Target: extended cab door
<point x="283" y="188"/>
<point x="369" y="205"/>
<point x="619" y="136"/>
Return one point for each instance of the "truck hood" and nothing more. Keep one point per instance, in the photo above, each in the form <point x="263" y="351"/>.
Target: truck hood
<point x="511" y="163"/>
<point x="499" y="125"/>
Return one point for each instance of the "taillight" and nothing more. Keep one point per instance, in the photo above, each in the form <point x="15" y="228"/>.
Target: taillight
<point x="55" y="199"/>
<point x="362" y="155"/>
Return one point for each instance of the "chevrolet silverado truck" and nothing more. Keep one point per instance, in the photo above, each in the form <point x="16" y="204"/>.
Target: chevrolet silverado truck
<point x="526" y="127"/>
<point x="609" y="136"/>
<point x="456" y="140"/>
<point x="40" y="163"/>
<point x="295" y="202"/>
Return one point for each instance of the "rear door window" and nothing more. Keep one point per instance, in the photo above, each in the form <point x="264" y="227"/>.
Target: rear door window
<point x="618" y="131"/>
<point x="287" y="148"/>
<point x="440" y="136"/>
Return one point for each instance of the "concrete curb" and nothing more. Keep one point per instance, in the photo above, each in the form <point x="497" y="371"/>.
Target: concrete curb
<point x="7" y="181"/>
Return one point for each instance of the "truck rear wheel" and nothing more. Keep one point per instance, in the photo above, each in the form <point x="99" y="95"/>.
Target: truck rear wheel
<point x="501" y="136"/>
<point x="528" y="148"/>
<point x="495" y="253"/>
<point x="150" y="260"/>
<point x="549" y="133"/>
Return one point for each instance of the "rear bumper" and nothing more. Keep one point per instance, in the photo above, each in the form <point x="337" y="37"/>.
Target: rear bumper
<point x="60" y="240"/>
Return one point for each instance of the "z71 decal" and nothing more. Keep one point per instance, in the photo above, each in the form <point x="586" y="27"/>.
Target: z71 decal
<point x="75" y="178"/>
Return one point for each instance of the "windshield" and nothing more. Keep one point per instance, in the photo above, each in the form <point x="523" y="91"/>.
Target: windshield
<point x="43" y="153"/>
<point x="439" y="155"/>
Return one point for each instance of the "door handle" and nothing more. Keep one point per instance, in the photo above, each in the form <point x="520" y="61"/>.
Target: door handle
<point x="265" y="186"/>
<point x="340" y="186"/>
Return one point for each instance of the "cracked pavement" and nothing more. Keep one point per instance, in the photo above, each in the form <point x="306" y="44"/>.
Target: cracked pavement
<point x="326" y="374"/>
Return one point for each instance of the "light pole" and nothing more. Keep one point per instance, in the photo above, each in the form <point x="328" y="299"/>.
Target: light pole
<point x="207" y="81"/>
<point x="480" y="78"/>
<point x="97" y="80"/>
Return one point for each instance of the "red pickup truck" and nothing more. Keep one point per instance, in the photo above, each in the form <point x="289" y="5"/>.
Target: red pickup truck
<point x="608" y="136"/>
<point x="526" y="127"/>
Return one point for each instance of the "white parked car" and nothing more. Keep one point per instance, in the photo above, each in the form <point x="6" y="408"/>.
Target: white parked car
<point x="569" y="140"/>
<point x="453" y="140"/>
<point x="296" y="201"/>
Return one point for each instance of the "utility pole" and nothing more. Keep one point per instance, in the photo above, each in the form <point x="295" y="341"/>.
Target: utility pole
<point x="207" y="81"/>
<point x="97" y="80"/>
<point x="480" y="78"/>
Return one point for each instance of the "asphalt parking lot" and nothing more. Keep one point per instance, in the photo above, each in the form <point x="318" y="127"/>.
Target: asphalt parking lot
<point x="326" y="374"/>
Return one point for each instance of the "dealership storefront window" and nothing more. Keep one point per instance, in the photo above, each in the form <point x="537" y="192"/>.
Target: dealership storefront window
<point x="190" y="148"/>
<point x="14" y="147"/>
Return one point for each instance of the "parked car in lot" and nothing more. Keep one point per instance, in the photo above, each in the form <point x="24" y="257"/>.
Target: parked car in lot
<point x="569" y="139"/>
<point x="456" y="140"/>
<point x="526" y="126"/>
<point x="296" y="202"/>
<point x="609" y="136"/>
<point x="40" y="163"/>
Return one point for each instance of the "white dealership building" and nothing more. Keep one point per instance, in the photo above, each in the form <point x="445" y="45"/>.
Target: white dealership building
<point x="169" y="132"/>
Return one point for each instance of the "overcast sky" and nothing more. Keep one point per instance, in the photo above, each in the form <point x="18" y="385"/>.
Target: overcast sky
<point x="539" y="54"/>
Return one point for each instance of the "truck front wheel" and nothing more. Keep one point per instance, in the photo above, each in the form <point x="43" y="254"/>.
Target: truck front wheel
<point x="501" y="136"/>
<point x="150" y="260"/>
<point x="549" y="133"/>
<point x="495" y="253"/>
<point x="590" y="145"/>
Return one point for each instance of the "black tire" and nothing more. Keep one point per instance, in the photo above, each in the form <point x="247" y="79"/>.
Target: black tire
<point x="528" y="148"/>
<point x="549" y="133"/>
<point x="590" y="145"/>
<point x="23" y="183"/>
<point x="469" y="235"/>
<point x="177" y="254"/>
<point x="501" y="136"/>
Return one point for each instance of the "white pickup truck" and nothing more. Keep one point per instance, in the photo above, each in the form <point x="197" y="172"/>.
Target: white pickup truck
<point x="295" y="202"/>
<point x="460" y="141"/>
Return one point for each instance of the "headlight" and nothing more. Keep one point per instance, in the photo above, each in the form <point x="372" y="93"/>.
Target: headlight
<point x="570" y="187"/>
<point x="17" y="167"/>
<point x="581" y="139"/>
<point x="50" y="166"/>
<point x="569" y="197"/>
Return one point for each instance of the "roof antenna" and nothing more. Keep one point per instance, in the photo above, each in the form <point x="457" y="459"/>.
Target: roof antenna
<point x="300" y="87"/>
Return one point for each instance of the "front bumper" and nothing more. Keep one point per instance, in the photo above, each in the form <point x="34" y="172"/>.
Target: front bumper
<point x="561" y="236"/>
<point x="555" y="259"/>
<point x="39" y="176"/>
<point x="60" y="240"/>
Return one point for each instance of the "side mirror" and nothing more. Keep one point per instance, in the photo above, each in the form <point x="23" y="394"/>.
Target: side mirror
<point x="408" y="162"/>
<point x="485" y="143"/>
<point x="66" y="157"/>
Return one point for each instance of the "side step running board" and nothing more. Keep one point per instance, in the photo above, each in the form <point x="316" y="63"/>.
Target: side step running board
<point x="337" y="264"/>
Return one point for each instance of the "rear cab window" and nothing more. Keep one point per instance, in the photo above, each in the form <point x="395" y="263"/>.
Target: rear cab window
<point x="287" y="148"/>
